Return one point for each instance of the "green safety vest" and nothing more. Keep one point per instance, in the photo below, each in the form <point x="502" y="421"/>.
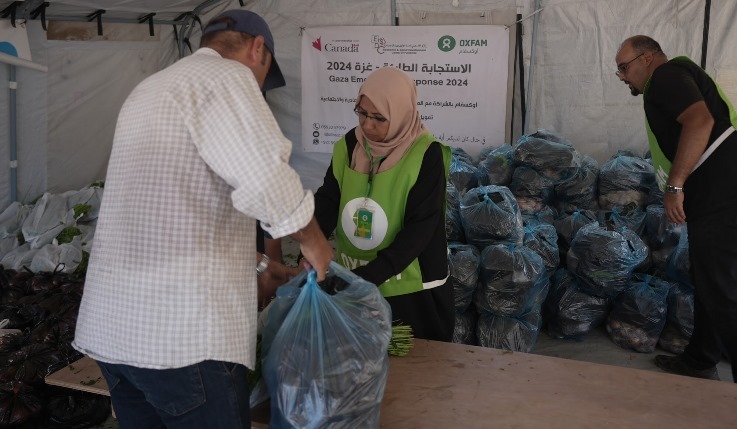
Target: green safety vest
<point x="370" y="217"/>
<point x="661" y="164"/>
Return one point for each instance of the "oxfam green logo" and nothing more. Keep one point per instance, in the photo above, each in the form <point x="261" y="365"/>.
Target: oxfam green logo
<point x="446" y="43"/>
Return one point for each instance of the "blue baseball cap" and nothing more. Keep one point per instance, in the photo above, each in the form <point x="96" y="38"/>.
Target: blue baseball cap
<point x="248" y="22"/>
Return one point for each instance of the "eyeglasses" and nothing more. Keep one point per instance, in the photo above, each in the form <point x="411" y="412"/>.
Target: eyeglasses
<point x="622" y="67"/>
<point x="363" y="115"/>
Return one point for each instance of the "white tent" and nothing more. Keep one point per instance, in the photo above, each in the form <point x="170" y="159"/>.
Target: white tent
<point x="65" y="117"/>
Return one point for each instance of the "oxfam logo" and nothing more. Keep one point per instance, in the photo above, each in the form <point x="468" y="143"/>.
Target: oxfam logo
<point x="446" y="43"/>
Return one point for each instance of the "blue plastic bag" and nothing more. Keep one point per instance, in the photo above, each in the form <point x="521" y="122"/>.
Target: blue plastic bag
<point x="325" y="352"/>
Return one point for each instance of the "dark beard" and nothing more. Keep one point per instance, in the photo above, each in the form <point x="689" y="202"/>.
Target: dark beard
<point x="634" y="91"/>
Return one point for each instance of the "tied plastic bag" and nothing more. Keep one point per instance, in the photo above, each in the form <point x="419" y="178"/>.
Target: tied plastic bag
<point x="325" y="355"/>
<point x="490" y="215"/>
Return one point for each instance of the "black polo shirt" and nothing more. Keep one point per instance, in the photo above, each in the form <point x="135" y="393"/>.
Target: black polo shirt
<point x="673" y="87"/>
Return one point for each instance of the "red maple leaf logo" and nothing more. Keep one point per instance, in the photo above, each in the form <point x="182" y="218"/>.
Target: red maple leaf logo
<point x="317" y="45"/>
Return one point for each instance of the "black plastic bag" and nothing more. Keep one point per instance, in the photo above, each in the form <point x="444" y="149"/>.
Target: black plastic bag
<point x="567" y="225"/>
<point x="453" y="225"/>
<point x="631" y="216"/>
<point x="678" y="263"/>
<point x="529" y="184"/>
<point x="556" y="160"/>
<point x="569" y="312"/>
<point x="462" y="175"/>
<point x="496" y="167"/>
<point x="463" y="263"/>
<point x="543" y="240"/>
<point x="513" y="281"/>
<point x="603" y="259"/>
<point x="679" y="322"/>
<point x="464" y="330"/>
<point x="76" y="410"/>
<point x="638" y="314"/>
<point x="517" y="334"/>
<point x="661" y="235"/>
<point x="490" y="215"/>
<point x="581" y="189"/>
<point x="624" y="180"/>
<point x="19" y="405"/>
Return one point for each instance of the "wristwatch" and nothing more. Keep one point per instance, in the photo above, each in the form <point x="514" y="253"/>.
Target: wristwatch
<point x="673" y="189"/>
<point x="261" y="267"/>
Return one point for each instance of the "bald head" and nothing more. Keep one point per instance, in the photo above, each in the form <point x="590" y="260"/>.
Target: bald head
<point x="641" y="43"/>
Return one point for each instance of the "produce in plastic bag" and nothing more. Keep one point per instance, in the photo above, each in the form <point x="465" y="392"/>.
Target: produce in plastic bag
<point x="12" y="218"/>
<point x="31" y="364"/>
<point x="551" y="136"/>
<point x="518" y="334"/>
<point x="679" y="322"/>
<point x="662" y="235"/>
<point x="630" y="216"/>
<point x="464" y="330"/>
<point x="462" y="155"/>
<point x="76" y="410"/>
<point x="462" y="175"/>
<point x="47" y="219"/>
<point x="453" y="225"/>
<point x="463" y="263"/>
<point x="63" y="257"/>
<point x="20" y="257"/>
<point x="19" y="404"/>
<point x="678" y="263"/>
<point x="543" y="240"/>
<point x="490" y="215"/>
<point x="569" y="312"/>
<point x="581" y="189"/>
<point x="603" y="259"/>
<point x="638" y="314"/>
<point x="327" y="364"/>
<point x="512" y="280"/>
<point x="567" y="225"/>
<point x="557" y="160"/>
<point x="623" y="180"/>
<point x="529" y="184"/>
<point x="546" y="215"/>
<point x="496" y="167"/>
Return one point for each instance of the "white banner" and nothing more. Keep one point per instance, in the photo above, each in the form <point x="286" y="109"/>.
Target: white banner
<point x="460" y="72"/>
<point x="14" y="40"/>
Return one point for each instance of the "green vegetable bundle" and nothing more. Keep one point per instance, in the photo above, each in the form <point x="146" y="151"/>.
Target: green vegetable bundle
<point x="401" y="342"/>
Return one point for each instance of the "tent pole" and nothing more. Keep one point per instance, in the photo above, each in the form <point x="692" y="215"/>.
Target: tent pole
<point x="705" y="38"/>
<point x="533" y="49"/>
<point x="12" y="87"/>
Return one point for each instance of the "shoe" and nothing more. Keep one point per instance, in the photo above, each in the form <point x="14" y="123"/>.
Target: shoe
<point x="676" y="365"/>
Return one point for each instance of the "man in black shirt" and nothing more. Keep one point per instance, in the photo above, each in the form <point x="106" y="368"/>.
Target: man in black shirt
<point x="690" y="126"/>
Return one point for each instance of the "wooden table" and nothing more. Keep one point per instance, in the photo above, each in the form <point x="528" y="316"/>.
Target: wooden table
<point x="83" y="374"/>
<point x="442" y="385"/>
<point x="448" y="386"/>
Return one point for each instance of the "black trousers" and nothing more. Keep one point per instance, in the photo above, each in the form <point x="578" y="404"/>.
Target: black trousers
<point x="430" y="312"/>
<point x="712" y="242"/>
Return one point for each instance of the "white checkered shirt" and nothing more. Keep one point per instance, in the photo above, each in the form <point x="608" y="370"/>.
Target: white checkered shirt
<point x="197" y="157"/>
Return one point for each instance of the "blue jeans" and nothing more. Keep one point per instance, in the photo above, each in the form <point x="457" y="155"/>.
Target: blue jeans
<point x="209" y="394"/>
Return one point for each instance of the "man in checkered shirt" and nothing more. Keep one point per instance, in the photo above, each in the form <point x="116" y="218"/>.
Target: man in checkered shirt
<point x="170" y="302"/>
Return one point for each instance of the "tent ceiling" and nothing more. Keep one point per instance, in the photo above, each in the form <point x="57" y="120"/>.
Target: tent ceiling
<point x="114" y="9"/>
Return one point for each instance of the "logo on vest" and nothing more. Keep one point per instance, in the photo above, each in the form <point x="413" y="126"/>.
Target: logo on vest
<point x="364" y="222"/>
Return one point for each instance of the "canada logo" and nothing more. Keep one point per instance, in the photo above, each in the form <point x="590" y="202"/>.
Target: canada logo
<point x="317" y="44"/>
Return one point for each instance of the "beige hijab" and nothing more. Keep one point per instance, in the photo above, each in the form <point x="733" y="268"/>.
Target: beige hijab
<point x="394" y="94"/>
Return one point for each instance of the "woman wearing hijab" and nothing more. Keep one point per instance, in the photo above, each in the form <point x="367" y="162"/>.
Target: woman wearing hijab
<point x="384" y="196"/>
